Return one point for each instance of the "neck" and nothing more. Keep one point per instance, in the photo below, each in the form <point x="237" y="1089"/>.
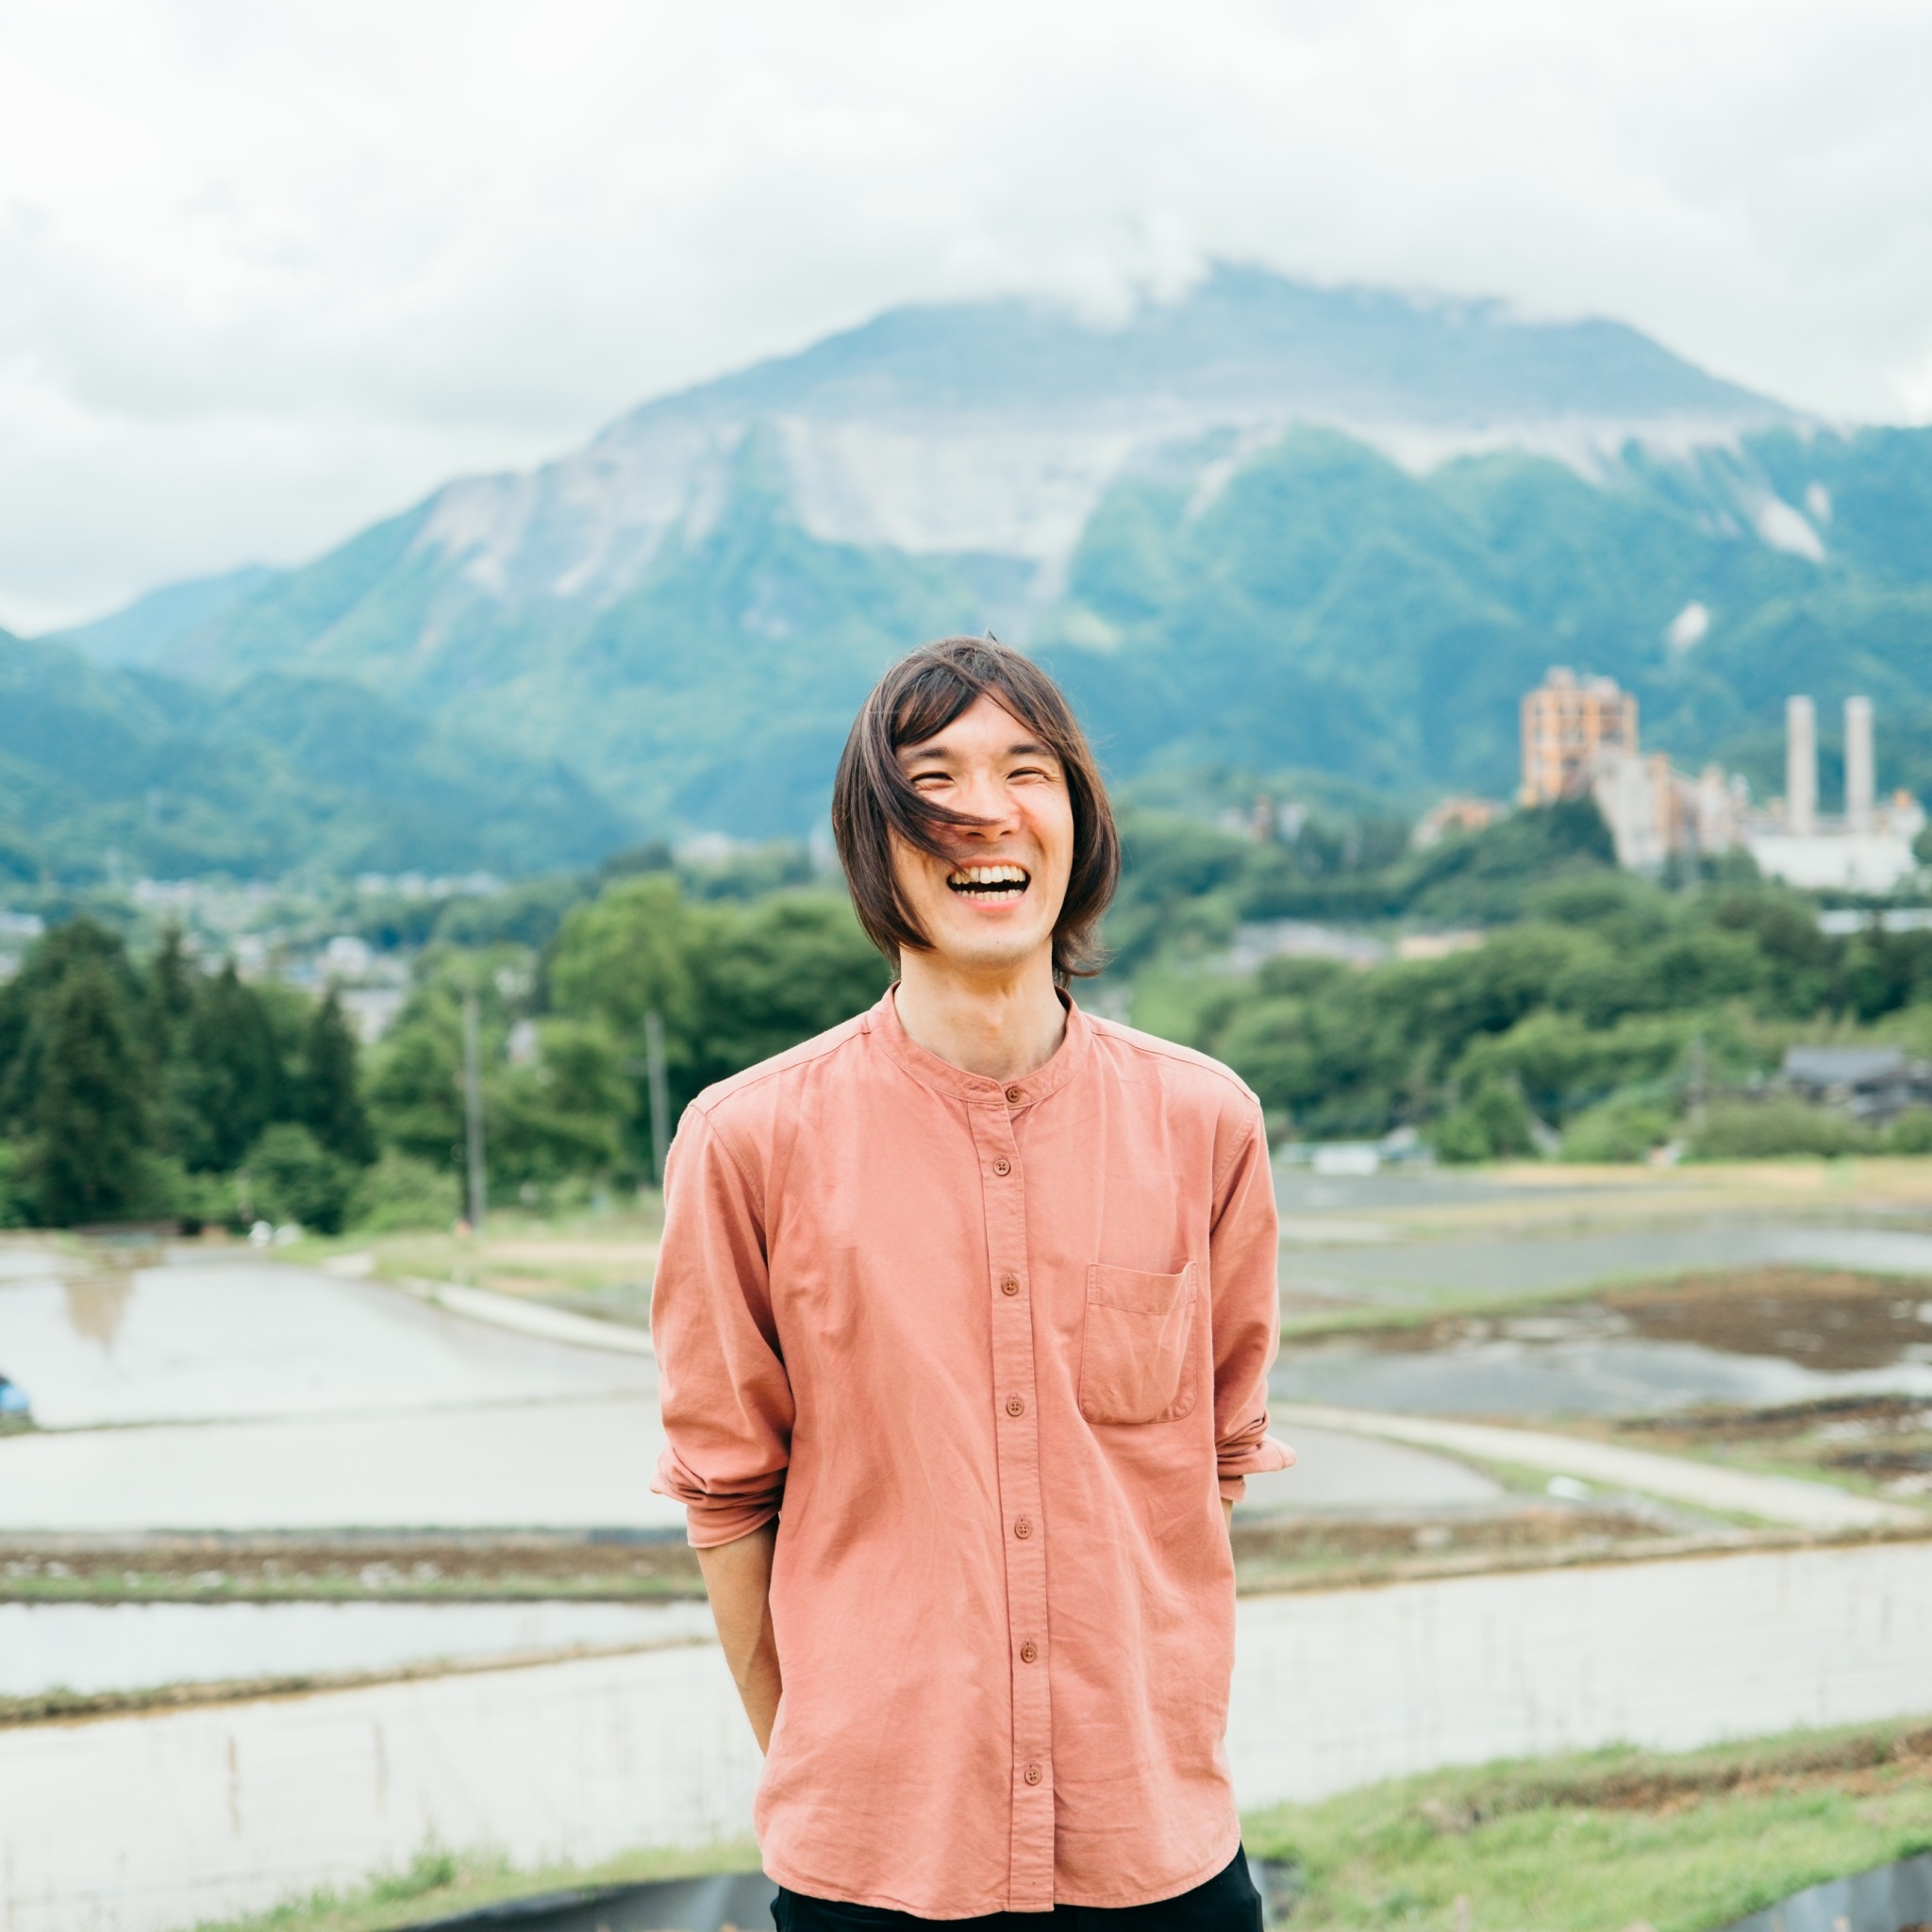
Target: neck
<point x="1001" y="1026"/>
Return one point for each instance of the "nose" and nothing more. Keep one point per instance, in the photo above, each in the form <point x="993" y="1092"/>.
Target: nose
<point x="982" y="793"/>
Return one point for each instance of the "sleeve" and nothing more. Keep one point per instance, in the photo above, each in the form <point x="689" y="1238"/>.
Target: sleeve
<point x="726" y="1397"/>
<point x="1247" y="1310"/>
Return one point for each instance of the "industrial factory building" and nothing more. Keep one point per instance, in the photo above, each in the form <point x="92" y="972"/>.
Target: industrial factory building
<point x="1579" y="735"/>
<point x="1870" y="848"/>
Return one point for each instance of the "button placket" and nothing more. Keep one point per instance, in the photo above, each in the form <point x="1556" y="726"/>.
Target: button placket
<point x="1015" y="1390"/>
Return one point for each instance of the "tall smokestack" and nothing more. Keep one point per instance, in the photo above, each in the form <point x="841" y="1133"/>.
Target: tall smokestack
<point x="1858" y="788"/>
<point x="1800" y="767"/>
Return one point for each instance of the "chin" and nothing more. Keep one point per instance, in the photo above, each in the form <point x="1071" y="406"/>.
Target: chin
<point x="987" y="949"/>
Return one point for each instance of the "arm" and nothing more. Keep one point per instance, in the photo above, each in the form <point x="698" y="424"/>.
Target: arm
<point x="1242" y="1247"/>
<point x="737" y="1579"/>
<point x="726" y="1399"/>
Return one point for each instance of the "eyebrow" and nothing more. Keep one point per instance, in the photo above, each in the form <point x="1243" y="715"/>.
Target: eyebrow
<point x="1026" y="748"/>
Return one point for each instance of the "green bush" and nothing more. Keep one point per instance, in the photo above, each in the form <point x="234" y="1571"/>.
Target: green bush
<point x="1491" y="1122"/>
<point x="293" y="1178"/>
<point x="1618" y="1130"/>
<point x="1745" y="1130"/>
<point x="1911" y="1133"/>
<point x="170" y="1192"/>
<point x="401" y="1191"/>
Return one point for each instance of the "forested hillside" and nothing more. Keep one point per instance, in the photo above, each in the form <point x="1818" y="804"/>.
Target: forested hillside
<point x="106" y="770"/>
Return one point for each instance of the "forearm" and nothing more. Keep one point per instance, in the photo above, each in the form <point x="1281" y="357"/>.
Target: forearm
<point x="1228" y="1510"/>
<point x="737" y="1579"/>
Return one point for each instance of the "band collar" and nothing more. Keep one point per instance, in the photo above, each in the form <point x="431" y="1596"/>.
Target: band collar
<point x="882" y="1023"/>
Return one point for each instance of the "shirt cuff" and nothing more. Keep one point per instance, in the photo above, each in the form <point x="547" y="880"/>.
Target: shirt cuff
<point x="716" y="1516"/>
<point x="711" y="1529"/>
<point x="1251" y="1455"/>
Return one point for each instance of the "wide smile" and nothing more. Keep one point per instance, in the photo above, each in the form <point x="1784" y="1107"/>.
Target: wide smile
<point x="990" y="885"/>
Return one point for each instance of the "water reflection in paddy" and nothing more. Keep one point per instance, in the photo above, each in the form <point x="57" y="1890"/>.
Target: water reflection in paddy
<point x="244" y="1338"/>
<point x="86" y="1648"/>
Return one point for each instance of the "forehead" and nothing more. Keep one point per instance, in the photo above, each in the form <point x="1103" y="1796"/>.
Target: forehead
<point x="984" y="727"/>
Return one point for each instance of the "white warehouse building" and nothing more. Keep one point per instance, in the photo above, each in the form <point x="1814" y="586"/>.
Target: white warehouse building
<point x="1868" y="849"/>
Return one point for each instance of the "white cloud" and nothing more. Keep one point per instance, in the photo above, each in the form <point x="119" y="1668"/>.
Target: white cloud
<point x="268" y="272"/>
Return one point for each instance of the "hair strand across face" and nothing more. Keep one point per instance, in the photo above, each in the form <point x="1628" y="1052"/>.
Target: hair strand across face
<point x="873" y="799"/>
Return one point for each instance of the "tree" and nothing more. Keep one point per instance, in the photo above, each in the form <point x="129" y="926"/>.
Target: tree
<point x="330" y="1099"/>
<point x="780" y="971"/>
<point x="630" y="952"/>
<point x="67" y="948"/>
<point x="170" y="994"/>
<point x="231" y="1080"/>
<point x="291" y="1178"/>
<point x="413" y="1089"/>
<point x="90" y="1120"/>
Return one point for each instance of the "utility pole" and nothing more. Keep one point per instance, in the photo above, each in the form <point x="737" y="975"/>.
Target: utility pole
<point x="472" y="1111"/>
<point x="660" y="1099"/>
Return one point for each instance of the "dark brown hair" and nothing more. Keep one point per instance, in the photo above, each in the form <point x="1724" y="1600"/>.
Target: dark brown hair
<point x="872" y="798"/>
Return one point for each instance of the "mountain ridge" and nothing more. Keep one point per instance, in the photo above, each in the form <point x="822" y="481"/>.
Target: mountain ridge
<point x="1184" y="515"/>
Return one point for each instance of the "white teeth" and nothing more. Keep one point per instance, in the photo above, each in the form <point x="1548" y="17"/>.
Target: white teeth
<point x="969" y="876"/>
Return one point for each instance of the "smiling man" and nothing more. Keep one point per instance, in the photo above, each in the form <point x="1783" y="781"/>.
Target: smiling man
<point x="964" y="1314"/>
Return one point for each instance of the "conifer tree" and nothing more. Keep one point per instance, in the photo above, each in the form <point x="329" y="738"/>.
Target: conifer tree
<point x="64" y="950"/>
<point x="89" y="1114"/>
<point x="331" y="1100"/>
<point x="169" y="994"/>
<point x="231" y="1082"/>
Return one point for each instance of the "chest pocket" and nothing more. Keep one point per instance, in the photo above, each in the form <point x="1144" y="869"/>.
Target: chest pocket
<point x="1137" y="1354"/>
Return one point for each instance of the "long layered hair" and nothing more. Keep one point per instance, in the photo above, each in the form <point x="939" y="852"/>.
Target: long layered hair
<point x="873" y="800"/>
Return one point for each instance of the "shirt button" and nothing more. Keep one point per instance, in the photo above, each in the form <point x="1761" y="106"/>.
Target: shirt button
<point x="1029" y="1650"/>
<point x="1034" y="1774"/>
<point x="1015" y="1095"/>
<point x="1003" y="1165"/>
<point x="1010" y="1283"/>
<point x="1023" y="1528"/>
<point x="1016" y="1404"/>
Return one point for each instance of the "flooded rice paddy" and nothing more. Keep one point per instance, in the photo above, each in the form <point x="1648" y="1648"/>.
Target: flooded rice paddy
<point x="88" y="1648"/>
<point x="1751" y="1339"/>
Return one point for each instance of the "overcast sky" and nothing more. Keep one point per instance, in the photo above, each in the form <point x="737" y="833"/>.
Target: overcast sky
<point x="268" y="272"/>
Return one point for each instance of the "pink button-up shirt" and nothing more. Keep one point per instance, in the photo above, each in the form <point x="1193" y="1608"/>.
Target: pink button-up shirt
<point x="993" y="1355"/>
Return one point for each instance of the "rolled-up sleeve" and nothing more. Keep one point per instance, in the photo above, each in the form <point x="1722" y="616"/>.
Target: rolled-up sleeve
<point x="726" y="1400"/>
<point x="1247" y="1308"/>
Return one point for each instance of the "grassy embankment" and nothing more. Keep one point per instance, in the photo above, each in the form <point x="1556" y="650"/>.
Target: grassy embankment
<point x="1596" y="1841"/>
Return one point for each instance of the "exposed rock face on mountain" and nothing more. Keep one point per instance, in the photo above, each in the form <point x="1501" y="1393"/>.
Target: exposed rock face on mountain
<point x="1263" y="523"/>
<point x="996" y="429"/>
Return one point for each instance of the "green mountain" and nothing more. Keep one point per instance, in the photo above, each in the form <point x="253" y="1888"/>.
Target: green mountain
<point x="1265" y="524"/>
<point x="1330" y="609"/>
<point x="104" y="769"/>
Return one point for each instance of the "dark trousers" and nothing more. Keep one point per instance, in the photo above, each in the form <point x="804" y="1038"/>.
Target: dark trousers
<point x="1227" y="1903"/>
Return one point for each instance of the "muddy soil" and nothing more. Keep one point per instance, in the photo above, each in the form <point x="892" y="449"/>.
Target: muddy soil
<point x="1269" y="1555"/>
<point x="1830" y="1319"/>
<point x="1822" y="1319"/>
<point x="1886" y="1438"/>
<point x="290" y="1568"/>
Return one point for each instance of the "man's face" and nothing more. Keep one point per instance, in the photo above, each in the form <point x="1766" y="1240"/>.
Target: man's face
<point x="992" y="902"/>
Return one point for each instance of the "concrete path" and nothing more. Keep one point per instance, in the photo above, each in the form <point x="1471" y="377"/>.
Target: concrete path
<point x="1341" y="1474"/>
<point x="1770" y="1498"/>
<point x="532" y="1318"/>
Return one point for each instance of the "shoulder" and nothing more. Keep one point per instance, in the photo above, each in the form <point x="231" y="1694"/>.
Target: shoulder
<point x="1179" y="1071"/>
<point x="750" y="1093"/>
